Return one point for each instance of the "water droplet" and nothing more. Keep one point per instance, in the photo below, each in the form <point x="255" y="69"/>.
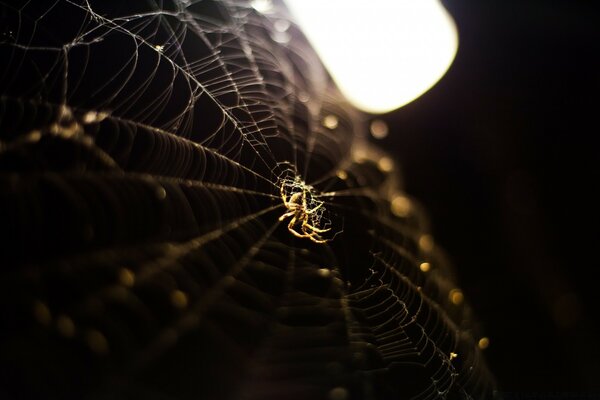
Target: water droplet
<point x="161" y="193"/>
<point x="330" y="121"/>
<point x="282" y="25"/>
<point x="324" y="272"/>
<point x="281" y="37"/>
<point x="359" y="155"/>
<point x="400" y="206"/>
<point x="126" y="277"/>
<point x="303" y="97"/>
<point x="456" y="296"/>
<point x="41" y="312"/>
<point x="385" y="164"/>
<point x="262" y="6"/>
<point x="65" y="326"/>
<point x="426" y="243"/>
<point x="338" y="393"/>
<point x="93" y="116"/>
<point x="179" y="299"/>
<point x="34" y="136"/>
<point x="96" y="342"/>
<point x="379" y="129"/>
<point x="483" y="343"/>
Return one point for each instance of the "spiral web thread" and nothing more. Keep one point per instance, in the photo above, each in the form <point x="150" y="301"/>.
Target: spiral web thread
<point x="143" y="149"/>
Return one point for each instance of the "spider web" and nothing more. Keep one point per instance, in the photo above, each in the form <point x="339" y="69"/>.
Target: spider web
<point x="142" y="146"/>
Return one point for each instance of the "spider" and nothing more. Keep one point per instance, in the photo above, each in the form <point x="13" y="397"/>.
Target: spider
<point x="298" y="208"/>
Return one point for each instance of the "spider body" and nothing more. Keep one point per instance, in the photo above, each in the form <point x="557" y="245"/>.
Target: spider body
<point x="304" y="211"/>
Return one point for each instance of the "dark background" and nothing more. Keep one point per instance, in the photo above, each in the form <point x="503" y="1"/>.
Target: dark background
<point x="503" y="153"/>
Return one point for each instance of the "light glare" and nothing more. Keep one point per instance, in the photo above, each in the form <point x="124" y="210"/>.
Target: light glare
<point x="383" y="53"/>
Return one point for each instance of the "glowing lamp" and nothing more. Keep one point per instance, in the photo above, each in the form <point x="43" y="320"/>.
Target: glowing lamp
<point x="382" y="53"/>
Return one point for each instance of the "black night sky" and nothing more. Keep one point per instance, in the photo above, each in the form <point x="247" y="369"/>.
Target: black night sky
<point x="503" y="153"/>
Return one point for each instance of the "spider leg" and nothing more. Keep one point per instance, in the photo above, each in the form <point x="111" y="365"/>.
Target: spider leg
<point x="318" y="240"/>
<point x="287" y="214"/>
<point x="313" y="232"/>
<point x="298" y="234"/>
<point x="292" y="222"/>
<point x="312" y="211"/>
<point x="282" y="192"/>
<point x="313" y="228"/>
<point x="293" y="231"/>
<point x="317" y="230"/>
<point x="308" y="233"/>
<point x="314" y="236"/>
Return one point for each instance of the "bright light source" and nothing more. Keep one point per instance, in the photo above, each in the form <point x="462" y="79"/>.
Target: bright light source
<point x="381" y="53"/>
